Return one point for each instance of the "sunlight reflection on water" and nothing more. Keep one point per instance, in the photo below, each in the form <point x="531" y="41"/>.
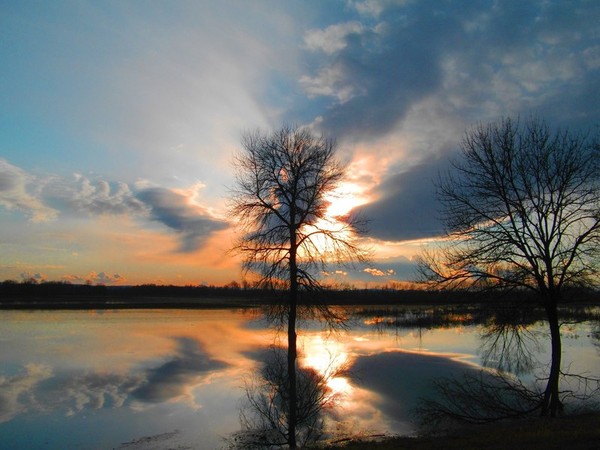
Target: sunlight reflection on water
<point x="171" y="378"/>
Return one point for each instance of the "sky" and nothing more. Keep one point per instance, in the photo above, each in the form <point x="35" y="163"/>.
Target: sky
<point x="119" y="119"/>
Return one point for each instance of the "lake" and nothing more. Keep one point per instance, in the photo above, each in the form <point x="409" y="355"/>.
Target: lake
<point x="157" y="379"/>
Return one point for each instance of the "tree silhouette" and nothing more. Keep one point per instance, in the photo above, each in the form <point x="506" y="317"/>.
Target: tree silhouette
<point x="283" y="183"/>
<point x="522" y="207"/>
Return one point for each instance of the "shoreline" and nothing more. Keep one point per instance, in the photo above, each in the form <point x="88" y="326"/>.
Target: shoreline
<point x="573" y="432"/>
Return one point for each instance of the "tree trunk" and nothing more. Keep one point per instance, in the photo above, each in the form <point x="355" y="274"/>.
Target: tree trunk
<point x="551" y="403"/>
<point x="292" y="353"/>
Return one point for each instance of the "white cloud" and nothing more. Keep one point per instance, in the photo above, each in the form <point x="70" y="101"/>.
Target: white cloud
<point x="16" y="188"/>
<point x="95" y="197"/>
<point x="329" y="82"/>
<point x="333" y="38"/>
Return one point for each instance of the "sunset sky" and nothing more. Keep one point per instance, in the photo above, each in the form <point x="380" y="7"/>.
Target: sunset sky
<point x="119" y="119"/>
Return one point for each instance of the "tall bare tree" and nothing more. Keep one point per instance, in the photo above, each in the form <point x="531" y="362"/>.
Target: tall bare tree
<point x="522" y="207"/>
<point x="284" y="179"/>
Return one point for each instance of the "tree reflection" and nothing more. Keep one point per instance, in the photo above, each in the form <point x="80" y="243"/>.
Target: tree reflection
<point x="508" y="343"/>
<point x="478" y="398"/>
<point x="265" y="413"/>
<point x="508" y="348"/>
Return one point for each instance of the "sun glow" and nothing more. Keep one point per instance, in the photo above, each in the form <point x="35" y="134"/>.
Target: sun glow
<point x="347" y="196"/>
<point x="342" y="201"/>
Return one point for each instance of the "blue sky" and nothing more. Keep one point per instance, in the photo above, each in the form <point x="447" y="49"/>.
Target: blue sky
<point x="119" y="119"/>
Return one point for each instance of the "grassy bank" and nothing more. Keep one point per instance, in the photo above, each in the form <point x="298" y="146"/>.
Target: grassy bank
<point x="580" y="432"/>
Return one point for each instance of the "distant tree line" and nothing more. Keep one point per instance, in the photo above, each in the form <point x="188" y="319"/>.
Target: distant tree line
<point x="49" y="293"/>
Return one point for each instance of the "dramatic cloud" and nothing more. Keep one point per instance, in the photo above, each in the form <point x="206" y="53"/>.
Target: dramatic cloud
<point x="406" y="207"/>
<point x="479" y="60"/>
<point x="193" y="223"/>
<point x="125" y="92"/>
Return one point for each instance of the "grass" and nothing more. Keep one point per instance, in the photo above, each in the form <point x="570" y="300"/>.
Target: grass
<point x="580" y="432"/>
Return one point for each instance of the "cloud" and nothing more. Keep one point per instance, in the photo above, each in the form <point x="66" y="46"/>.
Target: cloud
<point x="36" y="277"/>
<point x="333" y="38"/>
<point x="96" y="278"/>
<point x="81" y="195"/>
<point x="45" y="197"/>
<point x="379" y="273"/>
<point x="478" y="60"/>
<point x="374" y="272"/>
<point x="407" y="207"/>
<point x="193" y="223"/>
<point x="95" y="197"/>
<point x="19" y="190"/>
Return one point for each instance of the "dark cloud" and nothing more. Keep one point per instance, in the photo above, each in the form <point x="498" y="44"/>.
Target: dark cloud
<point x="478" y="59"/>
<point x="193" y="223"/>
<point x="407" y="207"/>
<point x="171" y="379"/>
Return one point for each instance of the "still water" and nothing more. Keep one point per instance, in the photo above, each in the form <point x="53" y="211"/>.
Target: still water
<point x="158" y="379"/>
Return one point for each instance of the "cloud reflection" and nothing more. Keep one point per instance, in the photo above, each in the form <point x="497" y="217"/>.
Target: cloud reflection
<point x="38" y="388"/>
<point x="173" y="378"/>
<point x="401" y="379"/>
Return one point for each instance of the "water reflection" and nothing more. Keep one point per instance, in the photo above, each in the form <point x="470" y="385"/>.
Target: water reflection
<point x="510" y="347"/>
<point x="265" y="414"/>
<point x="403" y="379"/>
<point x="104" y="381"/>
<point x="185" y="369"/>
<point x="83" y="380"/>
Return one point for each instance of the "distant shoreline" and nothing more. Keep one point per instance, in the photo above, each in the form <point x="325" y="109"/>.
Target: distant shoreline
<point x="58" y="295"/>
<point x="200" y="303"/>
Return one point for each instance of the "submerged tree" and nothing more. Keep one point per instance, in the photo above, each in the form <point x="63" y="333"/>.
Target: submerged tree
<point x="522" y="207"/>
<point x="284" y="180"/>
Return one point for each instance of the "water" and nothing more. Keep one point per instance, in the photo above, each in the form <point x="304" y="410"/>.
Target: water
<point x="158" y="379"/>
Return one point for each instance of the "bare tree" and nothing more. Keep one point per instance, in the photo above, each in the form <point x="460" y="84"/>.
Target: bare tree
<point x="522" y="207"/>
<point x="284" y="179"/>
